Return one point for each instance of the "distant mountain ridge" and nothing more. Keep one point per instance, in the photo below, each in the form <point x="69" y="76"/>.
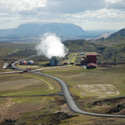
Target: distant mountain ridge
<point x="35" y="30"/>
<point x="116" y="37"/>
<point x="119" y="35"/>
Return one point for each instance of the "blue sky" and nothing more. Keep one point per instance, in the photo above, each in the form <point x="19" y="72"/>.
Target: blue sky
<point x="88" y="14"/>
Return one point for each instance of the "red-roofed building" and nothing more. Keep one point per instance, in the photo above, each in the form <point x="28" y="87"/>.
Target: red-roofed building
<point x="90" y="59"/>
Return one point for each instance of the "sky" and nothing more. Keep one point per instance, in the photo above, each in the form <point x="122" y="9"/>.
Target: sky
<point x="88" y="14"/>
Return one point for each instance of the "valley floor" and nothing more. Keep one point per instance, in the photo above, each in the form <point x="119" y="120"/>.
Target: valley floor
<point x="93" y="91"/>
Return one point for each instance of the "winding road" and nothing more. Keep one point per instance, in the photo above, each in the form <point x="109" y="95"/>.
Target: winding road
<point x="67" y="95"/>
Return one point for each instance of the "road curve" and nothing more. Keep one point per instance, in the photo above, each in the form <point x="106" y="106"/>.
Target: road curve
<point x="68" y="97"/>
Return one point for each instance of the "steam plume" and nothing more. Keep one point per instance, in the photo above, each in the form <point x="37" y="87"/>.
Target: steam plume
<point x="51" y="46"/>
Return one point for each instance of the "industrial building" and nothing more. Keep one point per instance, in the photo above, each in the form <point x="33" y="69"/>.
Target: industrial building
<point x="54" y="61"/>
<point x="90" y="59"/>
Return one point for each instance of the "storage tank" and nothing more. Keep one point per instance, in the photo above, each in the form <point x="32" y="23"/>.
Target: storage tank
<point x="5" y="66"/>
<point x="30" y="62"/>
<point x="54" y="61"/>
<point x="23" y="62"/>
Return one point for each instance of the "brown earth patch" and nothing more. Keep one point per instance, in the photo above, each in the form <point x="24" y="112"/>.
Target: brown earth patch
<point x="99" y="90"/>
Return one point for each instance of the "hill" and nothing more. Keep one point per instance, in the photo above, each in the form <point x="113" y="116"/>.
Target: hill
<point x="110" y="53"/>
<point x="79" y="45"/>
<point x="120" y="35"/>
<point x="112" y="48"/>
<point x="114" y="38"/>
<point x="110" y="40"/>
<point x="32" y="31"/>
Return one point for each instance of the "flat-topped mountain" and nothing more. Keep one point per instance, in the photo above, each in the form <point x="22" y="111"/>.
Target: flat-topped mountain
<point x="35" y="30"/>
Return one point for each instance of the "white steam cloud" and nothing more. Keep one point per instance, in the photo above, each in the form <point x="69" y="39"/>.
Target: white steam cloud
<point x="51" y="46"/>
<point x="22" y="5"/>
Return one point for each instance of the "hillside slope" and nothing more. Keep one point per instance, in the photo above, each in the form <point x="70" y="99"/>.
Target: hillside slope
<point x="120" y="35"/>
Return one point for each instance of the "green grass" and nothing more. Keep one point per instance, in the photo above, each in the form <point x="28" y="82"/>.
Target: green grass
<point x="74" y="76"/>
<point x="27" y="104"/>
<point x="86" y="120"/>
<point x="8" y="48"/>
<point x="41" y="86"/>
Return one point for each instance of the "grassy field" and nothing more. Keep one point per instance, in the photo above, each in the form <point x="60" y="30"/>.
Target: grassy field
<point x="26" y="84"/>
<point x="100" y="78"/>
<point x="86" y="86"/>
<point x="8" y="48"/>
<point x="23" y="86"/>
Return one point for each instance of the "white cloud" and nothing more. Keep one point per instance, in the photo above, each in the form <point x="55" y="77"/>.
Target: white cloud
<point x="115" y="4"/>
<point x="99" y="14"/>
<point x="113" y="1"/>
<point x="74" y="6"/>
<point x="85" y="13"/>
<point x="99" y="19"/>
<point x="105" y="13"/>
<point x="21" y="5"/>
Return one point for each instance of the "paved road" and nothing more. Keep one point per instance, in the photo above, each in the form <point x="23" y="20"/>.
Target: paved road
<point x="68" y="97"/>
